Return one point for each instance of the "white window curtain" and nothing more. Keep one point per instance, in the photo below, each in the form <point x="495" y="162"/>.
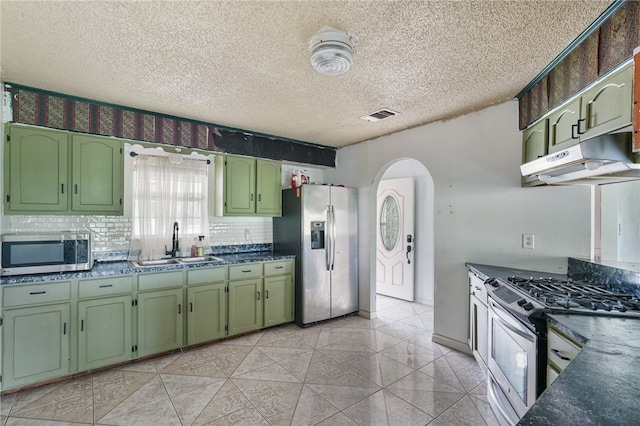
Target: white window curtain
<point x="167" y="189"/>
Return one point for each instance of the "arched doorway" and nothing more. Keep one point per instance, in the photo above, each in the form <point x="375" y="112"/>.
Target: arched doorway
<point x="424" y="227"/>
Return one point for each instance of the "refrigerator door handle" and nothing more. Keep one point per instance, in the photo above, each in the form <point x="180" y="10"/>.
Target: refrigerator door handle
<point x="327" y="237"/>
<point x="333" y="237"/>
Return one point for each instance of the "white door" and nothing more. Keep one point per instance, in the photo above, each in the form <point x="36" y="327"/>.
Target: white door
<point x="395" y="238"/>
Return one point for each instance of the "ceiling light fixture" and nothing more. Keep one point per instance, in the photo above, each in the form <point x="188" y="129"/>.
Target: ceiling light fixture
<point x="331" y="51"/>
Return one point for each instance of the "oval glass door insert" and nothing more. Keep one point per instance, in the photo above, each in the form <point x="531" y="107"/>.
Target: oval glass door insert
<point x="389" y="220"/>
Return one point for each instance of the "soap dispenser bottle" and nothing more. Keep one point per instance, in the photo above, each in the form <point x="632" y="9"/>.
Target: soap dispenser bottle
<point x="201" y="245"/>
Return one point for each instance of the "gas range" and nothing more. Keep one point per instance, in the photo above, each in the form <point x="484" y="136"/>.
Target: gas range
<point x="527" y="297"/>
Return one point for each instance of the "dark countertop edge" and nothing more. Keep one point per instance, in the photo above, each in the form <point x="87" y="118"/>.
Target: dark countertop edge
<point x="633" y="267"/>
<point x="123" y="267"/>
<point x="600" y="386"/>
<point x="492" y="271"/>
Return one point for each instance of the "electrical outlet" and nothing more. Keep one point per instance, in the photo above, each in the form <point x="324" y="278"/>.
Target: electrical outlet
<point x="528" y="241"/>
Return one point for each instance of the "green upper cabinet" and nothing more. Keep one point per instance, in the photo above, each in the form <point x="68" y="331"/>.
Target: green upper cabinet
<point x="56" y="172"/>
<point x="252" y="187"/>
<point x="36" y="173"/>
<point x="607" y="106"/>
<point x="535" y="144"/>
<point x="564" y="125"/>
<point x="239" y="186"/>
<point x="97" y="174"/>
<point x="268" y="188"/>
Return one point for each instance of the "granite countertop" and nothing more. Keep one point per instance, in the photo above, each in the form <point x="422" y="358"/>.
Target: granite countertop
<point x="602" y="384"/>
<point x="490" y="271"/>
<point x="123" y="267"/>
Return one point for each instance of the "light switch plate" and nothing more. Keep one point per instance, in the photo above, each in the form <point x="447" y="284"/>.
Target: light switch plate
<point x="528" y="241"/>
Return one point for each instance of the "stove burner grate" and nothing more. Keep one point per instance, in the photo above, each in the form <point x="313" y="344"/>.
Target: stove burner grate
<point x="569" y="294"/>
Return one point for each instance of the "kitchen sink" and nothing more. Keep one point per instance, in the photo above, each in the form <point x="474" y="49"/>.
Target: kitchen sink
<point x="199" y="259"/>
<point x="175" y="261"/>
<point x="157" y="262"/>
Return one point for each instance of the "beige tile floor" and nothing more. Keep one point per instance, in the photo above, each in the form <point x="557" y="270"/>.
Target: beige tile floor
<point x="349" y="371"/>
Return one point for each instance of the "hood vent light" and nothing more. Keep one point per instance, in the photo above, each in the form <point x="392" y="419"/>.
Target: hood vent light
<point x="379" y="115"/>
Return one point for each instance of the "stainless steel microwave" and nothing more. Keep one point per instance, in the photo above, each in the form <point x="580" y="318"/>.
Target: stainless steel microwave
<point x="28" y="253"/>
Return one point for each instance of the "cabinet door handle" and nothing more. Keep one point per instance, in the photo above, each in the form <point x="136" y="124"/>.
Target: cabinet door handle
<point x="251" y="197"/>
<point x="266" y="294"/>
<point x="562" y="357"/>
<point x="190" y="307"/>
<point x="64" y="329"/>
<point x="82" y="325"/>
<point x="259" y="197"/>
<point x="179" y="308"/>
<point x="37" y="292"/>
<point x="258" y="295"/>
<point x="246" y="271"/>
<point x="584" y="121"/>
<point x="106" y="285"/>
<point x="279" y="267"/>
<point x="62" y="188"/>
<point x="574" y="129"/>
<point x="75" y="189"/>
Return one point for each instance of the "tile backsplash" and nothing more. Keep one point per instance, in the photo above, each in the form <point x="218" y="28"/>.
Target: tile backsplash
<point x="113" y="233"/>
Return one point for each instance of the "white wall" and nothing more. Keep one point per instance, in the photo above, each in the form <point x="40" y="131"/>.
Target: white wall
<point x="481" y="211"/>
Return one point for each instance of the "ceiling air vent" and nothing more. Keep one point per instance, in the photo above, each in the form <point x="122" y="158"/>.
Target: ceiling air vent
<point x="379" y="115"/>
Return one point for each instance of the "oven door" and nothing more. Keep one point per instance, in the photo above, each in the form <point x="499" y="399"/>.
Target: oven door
<point x="511" y="363"/>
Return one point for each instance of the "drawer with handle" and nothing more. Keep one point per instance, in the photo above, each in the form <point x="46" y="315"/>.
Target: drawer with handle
<point x="560" y="350"/>
<point x="159" y="280"/>
<point x="246" y="270"/>
<point x="104" y="286"/>
<point x="34" y="294"/>
<point x="277" y="268"/>
<point x="206" y="275"/>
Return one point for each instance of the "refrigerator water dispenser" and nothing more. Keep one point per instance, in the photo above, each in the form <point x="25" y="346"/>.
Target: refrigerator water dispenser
<point x="317" y="235"/>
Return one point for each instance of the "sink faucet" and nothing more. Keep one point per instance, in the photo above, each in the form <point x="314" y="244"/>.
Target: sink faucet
<point x="175" y="244"/>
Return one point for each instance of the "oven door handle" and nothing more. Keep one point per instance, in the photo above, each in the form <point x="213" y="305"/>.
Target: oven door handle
<point x="497" y="311"/>
<point x="513" y="329"/>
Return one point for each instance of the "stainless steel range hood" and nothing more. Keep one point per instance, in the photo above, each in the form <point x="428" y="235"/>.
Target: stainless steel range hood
<point x="598" y="161"/>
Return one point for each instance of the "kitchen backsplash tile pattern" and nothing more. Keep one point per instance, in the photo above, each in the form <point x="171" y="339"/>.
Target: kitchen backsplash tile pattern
<point x="112" y="233"/>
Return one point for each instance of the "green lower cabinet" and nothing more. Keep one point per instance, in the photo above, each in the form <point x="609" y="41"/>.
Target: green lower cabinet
<point x="278" y="300"/>
<point x="207" y="313"/>
<point x="35" y="344"/>
<point x="245" y="306"/>
<point x="159" y="321"/>
<point x="104" y="332"/>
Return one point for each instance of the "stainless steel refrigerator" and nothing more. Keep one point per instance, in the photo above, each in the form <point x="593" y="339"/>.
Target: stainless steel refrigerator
<point x="319" y="225"/>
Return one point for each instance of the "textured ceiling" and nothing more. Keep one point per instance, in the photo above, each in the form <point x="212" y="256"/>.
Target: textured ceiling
<point x="245" y="64"/>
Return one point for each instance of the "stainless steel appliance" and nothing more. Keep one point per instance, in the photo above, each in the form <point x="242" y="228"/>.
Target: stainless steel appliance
<point x="319" y="226"/>
<point x="517" y="332"/>
<point x="28" y="253"/>
<point x="598" y="161"/>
